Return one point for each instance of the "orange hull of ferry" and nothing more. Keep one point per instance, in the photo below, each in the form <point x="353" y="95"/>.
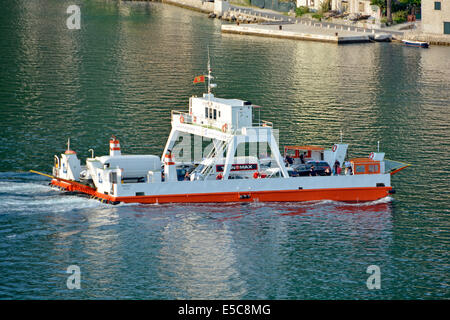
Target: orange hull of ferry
<point x="338" y="194"/>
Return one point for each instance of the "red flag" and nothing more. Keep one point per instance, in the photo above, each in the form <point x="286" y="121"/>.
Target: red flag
<point x="199" y="79"/>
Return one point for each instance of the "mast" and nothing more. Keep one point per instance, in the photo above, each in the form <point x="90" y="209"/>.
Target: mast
<point x="209" y="73"/>
<point x="210" y="85"/>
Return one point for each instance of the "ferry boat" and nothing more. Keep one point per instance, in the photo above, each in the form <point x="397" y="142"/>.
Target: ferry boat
<point x="221" y="176"/>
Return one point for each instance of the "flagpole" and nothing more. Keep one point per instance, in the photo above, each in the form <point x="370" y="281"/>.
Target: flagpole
<point x="209" y="74"/>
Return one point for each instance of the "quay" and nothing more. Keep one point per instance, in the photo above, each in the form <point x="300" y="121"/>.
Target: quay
<point x="196" y="5"/>
<point x="300" y="31"/>
<point x="267" y="23"/>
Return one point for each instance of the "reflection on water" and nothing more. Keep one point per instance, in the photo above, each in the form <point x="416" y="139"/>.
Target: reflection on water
<point x="234" y="251"/>
<point x="123" y="72"/>
<point x="198" y="260"/>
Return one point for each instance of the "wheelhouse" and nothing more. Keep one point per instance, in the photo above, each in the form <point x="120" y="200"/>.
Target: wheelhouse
<point x="365" y="166"/>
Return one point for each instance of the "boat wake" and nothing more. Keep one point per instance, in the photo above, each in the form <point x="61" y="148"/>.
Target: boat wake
<point x="25" y="193"/>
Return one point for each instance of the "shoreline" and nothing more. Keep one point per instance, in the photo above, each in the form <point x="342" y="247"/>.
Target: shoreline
<point x="322" y="36"/>
<point x="296" y="32"/>
<point x="195" y="5"/>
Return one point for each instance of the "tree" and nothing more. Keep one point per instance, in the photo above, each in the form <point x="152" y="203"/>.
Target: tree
<point x="411" y="2"/>
<point x="388" y="11"/>
<point x="380" y="3"/>
<point x="386" y="5"/>
<point x="411" y="5"/>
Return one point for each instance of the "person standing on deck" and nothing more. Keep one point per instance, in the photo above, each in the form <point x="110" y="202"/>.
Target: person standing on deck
<point x="335" y="167"/>
<point x="302" y="158"/>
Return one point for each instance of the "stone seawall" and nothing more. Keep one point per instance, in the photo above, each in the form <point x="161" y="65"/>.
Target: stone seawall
<point x="297" y="32"/>
<point x="433" y="39"/>
<point x="197" y="5"/>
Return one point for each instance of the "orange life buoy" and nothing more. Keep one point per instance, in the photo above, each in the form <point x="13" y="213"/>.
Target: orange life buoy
<point x="195" y="119"/>
<point x="334" y="148"/>
<point x="224" y="128"/>
<point x="182" y="119"/>
<point x="371" y="155"/>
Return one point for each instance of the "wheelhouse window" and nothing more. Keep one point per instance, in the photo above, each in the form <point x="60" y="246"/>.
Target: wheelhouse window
<point x="206" y="112"/>
<point x="437" y="5"/>
<point x="374" y="168"/>
<point x="215" y="114"/>
<point x="360" y="169"/>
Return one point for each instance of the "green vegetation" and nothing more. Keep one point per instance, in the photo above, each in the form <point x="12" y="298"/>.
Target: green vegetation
<point x="244" y="3"/>
<point x="318" y="16"/>
<point x="411" y="2"/>
<point x="399" y="16"/>
<point x="325" y="6"/>
<point x="396" y="11"/>
<point x="301" y="11"/>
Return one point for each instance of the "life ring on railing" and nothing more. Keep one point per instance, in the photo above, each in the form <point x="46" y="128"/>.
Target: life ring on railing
<point x="181" y="119"/>
<point x="256" y="175"/>
<point x="334" y="148"/>
<point x="224" y="128"/>
<point x="195" y="119"/>
<point x="371" y="155"/>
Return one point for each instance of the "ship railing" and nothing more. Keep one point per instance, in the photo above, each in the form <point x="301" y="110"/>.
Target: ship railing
<point x="181" y="116"/>
<point x="184" y="117"/>
<point x="263" y="123"/>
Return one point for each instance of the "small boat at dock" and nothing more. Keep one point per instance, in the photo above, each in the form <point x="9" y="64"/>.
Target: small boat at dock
<point x="382" y="37"/>
<point x="418" y="44"/>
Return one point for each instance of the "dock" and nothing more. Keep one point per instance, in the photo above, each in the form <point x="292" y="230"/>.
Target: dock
<point x="310" y="31"/>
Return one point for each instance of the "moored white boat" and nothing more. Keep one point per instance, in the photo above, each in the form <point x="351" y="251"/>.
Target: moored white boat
<point x="382" y="37"/>
<point x="413" y="43"/>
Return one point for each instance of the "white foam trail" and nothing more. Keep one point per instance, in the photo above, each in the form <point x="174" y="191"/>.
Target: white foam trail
<point x="30" y="198"/>
<point x="23" y="187"/>
<point x="47" y="204"/>
<point x="370" y="203"/>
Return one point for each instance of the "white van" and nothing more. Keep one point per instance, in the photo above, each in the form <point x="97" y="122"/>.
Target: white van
<point x="242" y="168"/>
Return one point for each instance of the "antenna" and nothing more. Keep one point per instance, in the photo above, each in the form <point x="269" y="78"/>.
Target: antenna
<point x="68" y="143"/>
<point x="209" y="73"/>
<point x="210" y="85"/>
<point x="341" y="135"/>
<point x="378" y="146"/>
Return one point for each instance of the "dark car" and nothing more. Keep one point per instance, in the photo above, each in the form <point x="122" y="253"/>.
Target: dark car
<point x="319" y="167"/>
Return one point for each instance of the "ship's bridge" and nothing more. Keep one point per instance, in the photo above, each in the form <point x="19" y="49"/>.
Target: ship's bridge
<point x="223" y="114"/>
<point x="228" y="122"/>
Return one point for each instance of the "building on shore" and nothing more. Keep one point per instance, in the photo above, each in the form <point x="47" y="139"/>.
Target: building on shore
<point x="436" y="16"/>
<point x="311" y="4"/>
<point x="362" y="7"/>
